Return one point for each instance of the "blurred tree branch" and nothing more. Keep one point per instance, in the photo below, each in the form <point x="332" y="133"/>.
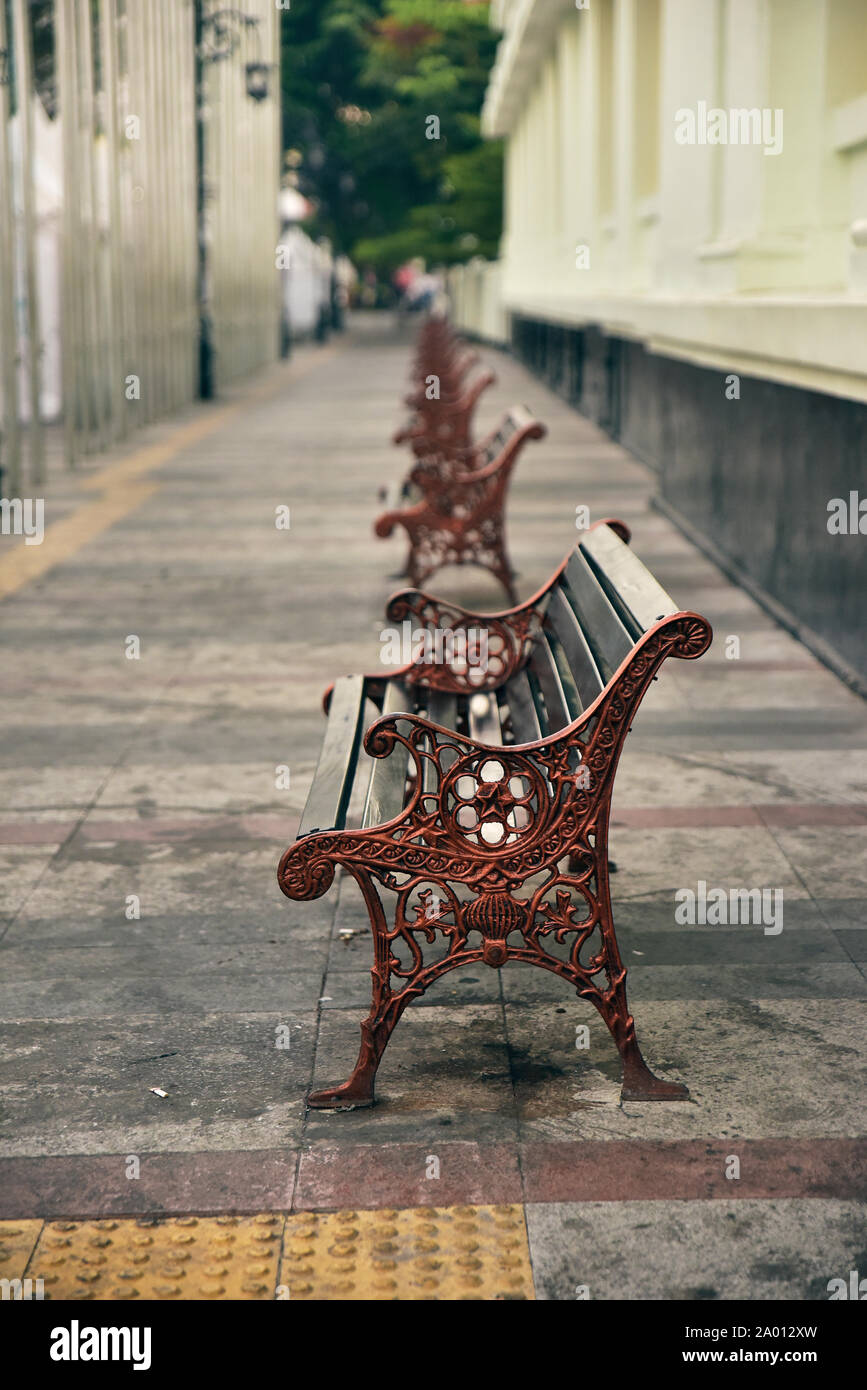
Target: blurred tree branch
<point x="361" y="78"/>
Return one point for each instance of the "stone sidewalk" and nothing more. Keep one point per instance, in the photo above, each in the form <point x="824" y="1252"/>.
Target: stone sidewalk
<point x="145" y="943"/>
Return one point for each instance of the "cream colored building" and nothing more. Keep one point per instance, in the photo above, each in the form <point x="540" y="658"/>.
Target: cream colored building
<point x="719" y="252"/>
<point x="686" y="203"/>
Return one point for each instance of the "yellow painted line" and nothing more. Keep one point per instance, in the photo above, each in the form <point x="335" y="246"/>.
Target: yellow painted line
<point x="155" y="455"/>
<point x="121" y="488"/>
<point x="17" y="1243"/>
<point x="64" y="538"/>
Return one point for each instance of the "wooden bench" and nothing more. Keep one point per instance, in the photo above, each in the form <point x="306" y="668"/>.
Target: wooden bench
<point x="452" y="505"/>
<point x="445" y="420"/>
<point x="470" y="799"/>
<point x="443" y="397"/>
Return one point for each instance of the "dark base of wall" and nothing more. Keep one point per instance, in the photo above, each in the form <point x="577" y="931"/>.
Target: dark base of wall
<point x="828" y="655"/>
<point x="749" y="478"/>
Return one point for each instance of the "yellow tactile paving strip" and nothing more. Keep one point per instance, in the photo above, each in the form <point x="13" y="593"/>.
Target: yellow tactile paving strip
<point x="17" y="1243"/>
<point x="188" y="1257"/>
<point x="424" y="1253"/>
<point x="427" y="1252"/>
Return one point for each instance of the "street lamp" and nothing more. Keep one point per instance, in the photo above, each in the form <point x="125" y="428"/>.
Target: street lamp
<point x="257" y="80"/>
<point x="218" y="35"/>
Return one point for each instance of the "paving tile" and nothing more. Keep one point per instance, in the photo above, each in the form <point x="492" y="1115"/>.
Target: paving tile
<point x="854" y="942"/>
<point x="754" y="1067"/>
<point x="669" y="859"/>
<point x="98" y="876"/>
<point x="440" y="1173"/>
<point x="83" y="1086"/>
<point x="445" y="1068"/>
<point x="227" y="1257"/>
<point x="832" y="861"/>
<point x="695" y="1250"/>
<point x="468" y="1252"/>
<point x="739" y="1169"/>
<point x="778" y="980"/>
<point x="149" y="1184"/>
<point x="17" y="1243"/>
<point x="235" y="988"/>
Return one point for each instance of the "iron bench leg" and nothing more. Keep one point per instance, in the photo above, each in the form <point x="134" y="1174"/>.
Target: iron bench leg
<point x="639" y="1082"/>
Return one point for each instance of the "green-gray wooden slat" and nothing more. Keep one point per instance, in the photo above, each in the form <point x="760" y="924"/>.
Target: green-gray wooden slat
<point x="492" y="450"/>
<point x="544" y="667"/>
<point x="385" y="794"/>
<point x="522" y="709"/>
<point x="484" y="718"/>
<point x="499" y="441"/>
<point x="641" y="594"/>
<point x="442" y="708"/>
<point x="564" y="670"/>
<point x="602" y="626"/>
<point x="582" y="663"/>
<point x="539" y="703"/>
<point x="332" y="782"/>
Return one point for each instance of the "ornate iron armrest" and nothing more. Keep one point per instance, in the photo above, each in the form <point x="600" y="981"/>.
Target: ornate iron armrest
<point x="464" y="651"/>
<point x="535" y="430"/>
<point x="385" y="524"/>
<point x="471" y="395"/>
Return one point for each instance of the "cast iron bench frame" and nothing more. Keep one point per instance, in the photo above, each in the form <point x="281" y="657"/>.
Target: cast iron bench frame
<point x="445" y="421"/>
<point x="455" y="822"/>
<point x="453" y="504"/>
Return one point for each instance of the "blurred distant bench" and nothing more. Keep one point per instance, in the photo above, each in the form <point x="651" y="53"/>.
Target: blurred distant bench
<point x="468" y="792"/>
<point x="453" y="504"/>
<point x="443" y="398"/>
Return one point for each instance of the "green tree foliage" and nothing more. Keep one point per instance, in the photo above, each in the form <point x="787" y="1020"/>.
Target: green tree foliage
<point x="361" y="78"/>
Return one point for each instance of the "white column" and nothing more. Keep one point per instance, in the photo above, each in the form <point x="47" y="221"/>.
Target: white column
<point x="689" y="75"/>
<point x="745" y="60"/>
<point x="573" y="142"/>
<point x="623" y="98"/>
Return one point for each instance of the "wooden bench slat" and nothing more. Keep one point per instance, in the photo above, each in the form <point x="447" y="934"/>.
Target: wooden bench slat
<point x="332" y="781"/>
<point x="484" y="718"/>
<point x="603" y="628"/>
<point x="495" y="446"/>
<point x="386" y="792"/>
<point x="620" y="568"/>
<point x="567" y="678"/>
<point x="585" y="673"/>
<point x="522" y="709"/>
<point x="544" y="668"/>
<point x="442" y="708"/>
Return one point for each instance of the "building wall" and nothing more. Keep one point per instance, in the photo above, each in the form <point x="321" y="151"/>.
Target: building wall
<point x="100" y="295"/>
<point x="657" y="270"/>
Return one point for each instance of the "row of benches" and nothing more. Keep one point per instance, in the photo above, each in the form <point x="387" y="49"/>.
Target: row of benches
<point x="452" y="504"/>
<point x="470" y="800"/>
